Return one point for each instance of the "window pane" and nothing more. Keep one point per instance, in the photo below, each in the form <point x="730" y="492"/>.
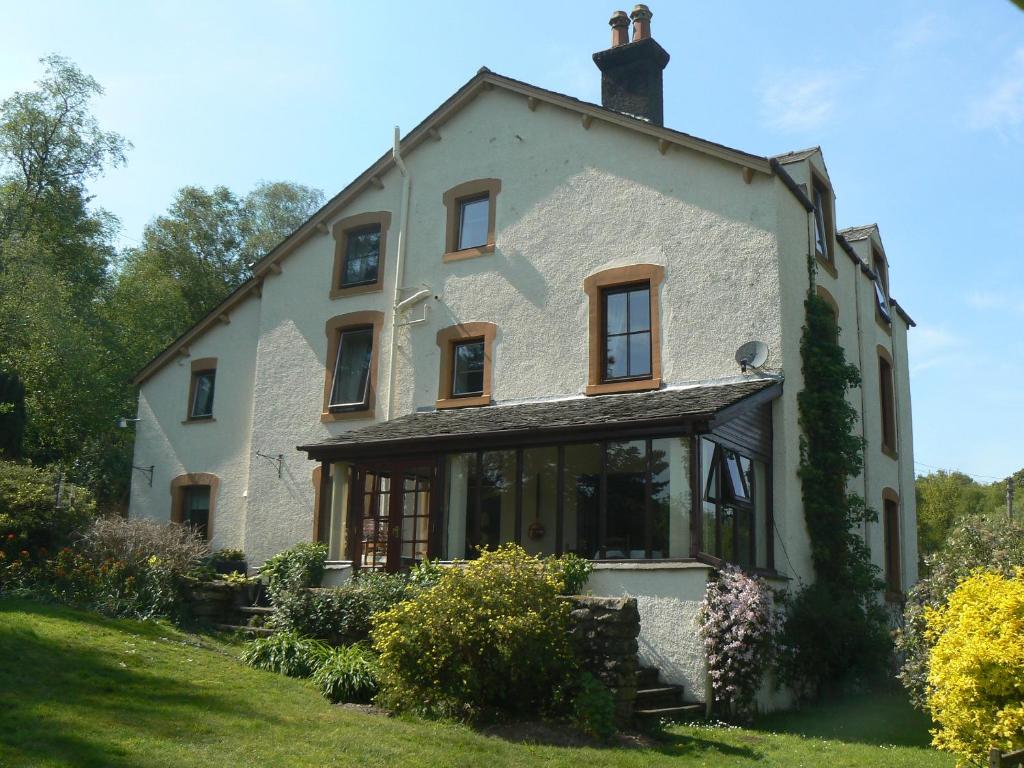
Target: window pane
<point x="580" y="499"/>
<point x="494" y="522"/>
<point x="626" y="466"/>
<point x="617" y="358"/>
<point x="616" y="310"/>
<point x="660" y="497"/>
<point x="362" y="255"/>
<point x="196" y="513"/>
<point x="640" y="310"/>
<point x="640" y="354"/>
<point x="540" y="500"/>
<point x="883" y="306"/>
<point x="468" y="376"/>
<point x="352" y="372"/>
<point x="744" y="536"/>
<point x="709" y="471"/>
<point x="819" y="222"/>
<point x="202" y="405"/>
<point x="473" y="215"/>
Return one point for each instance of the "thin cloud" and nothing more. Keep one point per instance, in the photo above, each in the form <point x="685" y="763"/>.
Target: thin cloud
<point x="932" y="347"/>
<point x="921" y="32"/>
<point x="1002" y="106"/>
<point x="989" y="301"/>
<point x="798" y="103"/>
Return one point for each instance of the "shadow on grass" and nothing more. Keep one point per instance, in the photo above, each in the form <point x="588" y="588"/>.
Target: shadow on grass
<point x="883" y="718"/>
<point x="69" y="704"/>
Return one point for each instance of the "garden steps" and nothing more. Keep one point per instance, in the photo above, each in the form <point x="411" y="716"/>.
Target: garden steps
<point x="256" y="610"/>
<point x="672" y="713"/>
<point x="655" y="699"/>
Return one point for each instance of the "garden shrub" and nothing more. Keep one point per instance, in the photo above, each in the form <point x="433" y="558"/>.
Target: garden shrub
<point x="976" y="676"/>
<point x="289" y="653"/>
<point x="994" y="544"/>
<point x="347" y="674"/>
<point x="490" y="635"/>
<point x="572" y="570"/>
<point x="738" y="624"/>
<point x="593" y="707"/>
<point x="31" y="526"/>
<point x="340" y="615"/>
<point x="298" y="567"/>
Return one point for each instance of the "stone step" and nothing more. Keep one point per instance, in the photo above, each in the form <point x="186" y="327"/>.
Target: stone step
<point x="647" y="677"/>
<point x="244" y="630"/>
<point x="256" y="610"/>
<point x="672" y="713"/>
<point x="660" y="697"/>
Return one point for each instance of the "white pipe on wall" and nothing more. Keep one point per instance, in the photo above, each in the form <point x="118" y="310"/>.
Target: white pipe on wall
<point x="403" y="225"/>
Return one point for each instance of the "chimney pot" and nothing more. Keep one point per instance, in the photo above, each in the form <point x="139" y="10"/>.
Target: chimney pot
<point x="641" y="16"/>
<point x="620" y="28"/>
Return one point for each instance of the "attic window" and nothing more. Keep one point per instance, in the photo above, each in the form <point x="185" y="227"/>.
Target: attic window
<point x="823" y="224"/>
<point x="201" y="389"/>
<point x="360" y="245"/>
<point x="881" y="285"/>
<point x="470" y="228"/>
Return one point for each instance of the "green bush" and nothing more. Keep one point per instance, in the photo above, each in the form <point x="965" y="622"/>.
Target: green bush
<point x="490" y="635"/>
<point x="30" y="522"/>
<point x="287" y="653"/>
<point x="298" y="567"/>
<point x="994" y="544"/>
<point x="342" y="615"/>
<point x="572" y="570"/>
<point x="593" y="708"/>
<point x="348" y="674"/>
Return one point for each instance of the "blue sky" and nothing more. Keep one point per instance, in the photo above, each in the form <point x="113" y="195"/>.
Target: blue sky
<point x="918" y="106"/>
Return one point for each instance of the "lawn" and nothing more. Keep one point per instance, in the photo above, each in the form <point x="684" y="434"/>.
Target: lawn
<point x="80" y="690"/>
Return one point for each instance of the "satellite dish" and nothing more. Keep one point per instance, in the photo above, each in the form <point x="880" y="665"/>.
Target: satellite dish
<point x="753" y="354"/>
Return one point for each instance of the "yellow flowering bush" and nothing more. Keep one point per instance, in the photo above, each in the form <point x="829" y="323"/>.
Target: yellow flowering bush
<point x="976" y="666"/>
<point x="490" y="635"/>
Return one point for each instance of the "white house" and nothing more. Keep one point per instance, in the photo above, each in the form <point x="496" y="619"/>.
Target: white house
<point x="521" y="324"/>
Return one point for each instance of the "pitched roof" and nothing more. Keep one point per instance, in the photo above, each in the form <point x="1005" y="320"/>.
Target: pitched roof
<point x="797" y="155"/>
<point x="526" y="422"/>
<point x="859" y="233"/>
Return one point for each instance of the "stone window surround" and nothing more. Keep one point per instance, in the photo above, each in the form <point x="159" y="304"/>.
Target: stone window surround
<point x="451" y="199"/>
<point x="889" y="448"/>
<point x="447" y="338"/>
<point x="199" y="366"/>
<point x="340" y="232"/>
<point x="190" y="480"/>
<point x="818" y="183"/>
<point x="333" y="329"/>
<point x="594" y="286"/>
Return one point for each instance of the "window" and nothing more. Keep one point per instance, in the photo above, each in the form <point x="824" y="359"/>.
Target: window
<point x="624" y="319"/>
<point x="193" y="497"/>
<point x="627" y="332"/>
<point x="473" y="222"/>
<point x="352" y="369"/>
<point x="360" y="245"/>
<point x="201" y="386"/>
<point x="881" y="287"/>
<point x="351" y="365"/>
<point x="196" y="509"/>
<point x="823" y="225"/>
<point x="468" y="376"/>
<point x="887" y="396"/>
<point x="470" y="228"/>
<point x="362" y="256"/>
<point x="467" y="352"/>
<point x="891" y="523"/>
<point x="729" y="502"/>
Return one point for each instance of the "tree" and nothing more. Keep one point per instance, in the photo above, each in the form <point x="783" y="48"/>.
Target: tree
<point x="943" y="499"/>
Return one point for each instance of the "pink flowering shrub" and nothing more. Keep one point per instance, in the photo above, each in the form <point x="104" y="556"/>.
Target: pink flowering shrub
<point x="738" y="625"/>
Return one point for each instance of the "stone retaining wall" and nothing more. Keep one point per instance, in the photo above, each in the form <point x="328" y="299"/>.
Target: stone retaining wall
<point x="217" y="602"/>
<point x="604" y="631"/>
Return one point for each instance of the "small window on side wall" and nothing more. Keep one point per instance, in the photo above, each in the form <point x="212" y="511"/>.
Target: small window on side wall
<point x="196" y="509"/>
<point x="360" y="245"/>
<point x="627" y="332"/>
<point x="887" y="398"/>
<point x="823" y="226"/>
<point x="473" y="222"/>
<point x="468" y="374"/>
<point x="891" y="524"/>
<point x="467" y="355"/>
<point x="881" y="286"/>
<point x="362" y="257"/>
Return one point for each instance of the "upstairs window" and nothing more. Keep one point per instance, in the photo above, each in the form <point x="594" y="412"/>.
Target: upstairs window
<point x="468" y="375"/>
<point x="887" y="396"/>
<point x="201" y="386"/>
<point x="627" y="332"/>
<point x="473" y="222"/>
<point x="470" y="221"/>
<point x="823" y="225"/>
<point x="360" y="245"/>
<point x="362" y="257"/>
<point x="352" y="369"/>
<point x="350" y="365"/>
<point x="881" y="285"/>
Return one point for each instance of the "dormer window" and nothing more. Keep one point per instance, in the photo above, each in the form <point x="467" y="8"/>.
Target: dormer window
<point x="881" y="285"/>
<point x="824" y="228"/>
<point x="470" y="221"/>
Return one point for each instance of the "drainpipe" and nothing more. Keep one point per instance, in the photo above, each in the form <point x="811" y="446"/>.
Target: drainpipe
<point x="399" y="270"/>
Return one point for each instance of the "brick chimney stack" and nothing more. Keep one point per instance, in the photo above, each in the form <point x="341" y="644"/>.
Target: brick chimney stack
<point x="631" y="71"/>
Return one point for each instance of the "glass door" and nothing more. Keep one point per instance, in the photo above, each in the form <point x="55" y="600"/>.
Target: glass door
<point x="393" y="504"/>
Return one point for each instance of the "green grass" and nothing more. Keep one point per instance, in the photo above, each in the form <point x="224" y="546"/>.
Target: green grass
<point x="80" y="690"/>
